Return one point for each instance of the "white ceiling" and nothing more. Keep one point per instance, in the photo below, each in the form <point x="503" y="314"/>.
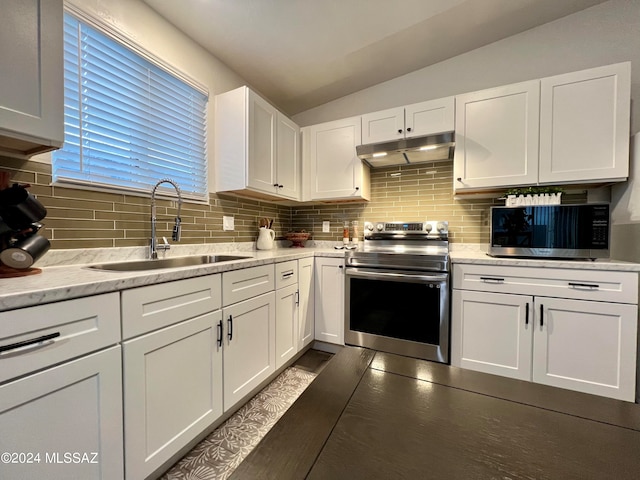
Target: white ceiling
<point x="303" y="53"/>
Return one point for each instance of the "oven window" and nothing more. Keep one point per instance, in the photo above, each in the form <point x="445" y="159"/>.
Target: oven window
<point x="405" y="310"/>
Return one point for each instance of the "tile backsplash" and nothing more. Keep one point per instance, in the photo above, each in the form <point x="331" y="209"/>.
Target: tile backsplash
<point x="78" y="218"/>
<point x="90" y="219"/>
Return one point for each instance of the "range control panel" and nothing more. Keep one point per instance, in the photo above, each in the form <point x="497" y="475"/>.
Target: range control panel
<point x="430" y="226"/>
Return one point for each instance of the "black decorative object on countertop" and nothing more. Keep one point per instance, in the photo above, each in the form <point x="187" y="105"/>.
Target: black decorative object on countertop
<point x="20" y="245"/>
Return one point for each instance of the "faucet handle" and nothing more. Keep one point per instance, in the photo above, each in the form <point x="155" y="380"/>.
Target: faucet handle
<point x="177" y="229"/>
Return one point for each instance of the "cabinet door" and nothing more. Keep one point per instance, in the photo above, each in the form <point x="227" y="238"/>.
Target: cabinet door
<point x="425" y="118"/>
<point x="586" y="346"/>
<point x="288" y="158"/>
<point x="497" y="137"/>
<point x="335" y="171"/>
<point x="73" y="408"/>
<point x="492" y="333"/>
<point x="286" y="324"/>
<point x="329" y="300"/>
<point x="306" y="305"/>
<point x="382" y="126"/>
<point x="249" y="346"/>
<point x="31" y="91"/>
<point x="172" y="390"/>
<point x="261" y="144"/>
<point x="584" y="125"/>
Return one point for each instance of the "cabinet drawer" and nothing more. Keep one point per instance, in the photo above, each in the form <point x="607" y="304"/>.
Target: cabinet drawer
<point x="286" y="274"/>
<point x="80" y="326"/>
<point x="149" y="308"/>
<point x="597" y="285"/>
<point x="239" y="285"/>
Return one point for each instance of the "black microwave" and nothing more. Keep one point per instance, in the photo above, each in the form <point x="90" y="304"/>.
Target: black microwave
<point x="552" y="231"/>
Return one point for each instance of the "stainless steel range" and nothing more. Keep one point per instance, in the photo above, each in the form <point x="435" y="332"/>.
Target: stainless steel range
<point x="397" y="290"/>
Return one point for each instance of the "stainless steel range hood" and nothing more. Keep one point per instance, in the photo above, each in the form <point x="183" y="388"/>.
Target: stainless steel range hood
<point x="408" y="151"/>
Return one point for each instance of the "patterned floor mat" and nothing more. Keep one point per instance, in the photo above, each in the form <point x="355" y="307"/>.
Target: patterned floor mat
<point x="218" y="455"/>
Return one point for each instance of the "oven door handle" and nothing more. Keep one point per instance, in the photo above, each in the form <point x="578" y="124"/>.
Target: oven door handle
<point x="415" y="276"/>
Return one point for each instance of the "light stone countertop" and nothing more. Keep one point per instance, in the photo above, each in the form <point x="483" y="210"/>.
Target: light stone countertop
<point x="57" y="283"/>
<point x="62" y="280"/>
<point x="480" y="257"/>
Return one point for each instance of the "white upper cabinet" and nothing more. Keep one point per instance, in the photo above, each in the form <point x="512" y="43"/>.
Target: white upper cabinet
<point x="571" y="128"/>
<point x="414" y="120"/>
<point x="31" y="90"/>
<point x="584" y="125"/>
<point x="333" y="170"/>
<point x="257" y="148"/>
<point x="497" y="137"/>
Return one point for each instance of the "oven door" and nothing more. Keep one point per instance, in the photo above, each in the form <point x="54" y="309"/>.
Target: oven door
<point x="398" y="311"/>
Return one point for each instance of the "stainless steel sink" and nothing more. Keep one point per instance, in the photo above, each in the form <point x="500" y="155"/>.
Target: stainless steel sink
<point x="177" y="262"/>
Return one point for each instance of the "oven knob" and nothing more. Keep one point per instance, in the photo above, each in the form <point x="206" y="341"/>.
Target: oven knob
<point x="428" y="227"/>
<point x="369" y="226"/>
<point x="442" y="227"/>
<point x="380" y="227"/>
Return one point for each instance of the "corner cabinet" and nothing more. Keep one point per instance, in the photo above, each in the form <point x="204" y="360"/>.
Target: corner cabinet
<point x="424" y="118"/>
<point x="573" y="329"/>
<point x="571" y="128"/>
<point x="329" y="300"/>
<point x="257" y="148"/>
<point x="31" y="91"/>
<point x="332" y="169"/>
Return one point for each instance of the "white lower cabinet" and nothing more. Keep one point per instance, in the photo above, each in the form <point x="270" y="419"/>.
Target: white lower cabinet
<point x="61" y="390"/>
<point x="306" y="302"/>
<point x="249" y="346"/>
<point x="329" y="300"/>
<point x="287" y="312"/>
<point x="172" y="390"/>
<point x="584" y="345"/>
<point x="172" y="366"/>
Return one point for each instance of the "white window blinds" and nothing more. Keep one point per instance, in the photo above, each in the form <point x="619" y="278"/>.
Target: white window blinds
<point x="128" y="122"/>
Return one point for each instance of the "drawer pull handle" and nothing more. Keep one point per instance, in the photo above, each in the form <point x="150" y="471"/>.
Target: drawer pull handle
<point x="298" y="297"/>
<point x="584" y="285"/>
<point x="219" y="333"/>
<point x="230" y="322"/>
<point x="526" y="314"/>
<point x="287" y="274"/>
<point x="26" y="343"/>
<point x="541" y="315"/>
<point x="492" y="279"/>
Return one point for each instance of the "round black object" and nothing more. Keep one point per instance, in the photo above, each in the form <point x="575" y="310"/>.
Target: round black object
<point x="19" y="209"/>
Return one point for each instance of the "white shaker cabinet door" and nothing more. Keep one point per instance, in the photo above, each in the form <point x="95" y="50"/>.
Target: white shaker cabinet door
<point x="288" y="171"/>
<point x="586" y="346"/>
<point x="329" y="300"/>
<point x="172" y="390"/>
<point x="249" y="346"/>
<point x="492" y="333"/>
<point x="383" y="126"/>
<point x="73" y="408"/>
<point x="334" y="170"/>
<point x="497" y="137"/>
<point x="584" y="125"/>
<point x="286" y="324"/>
<point x="426" y="118"/>
<point x="306" y="278"/>
<point x="261" y="144"/>
<point x="31" y="89"/>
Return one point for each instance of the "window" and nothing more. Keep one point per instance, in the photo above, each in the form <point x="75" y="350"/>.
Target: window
<point x="128" y="122"/>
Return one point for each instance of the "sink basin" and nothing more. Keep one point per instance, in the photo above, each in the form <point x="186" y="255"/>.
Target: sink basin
<point x="177" y="262"/>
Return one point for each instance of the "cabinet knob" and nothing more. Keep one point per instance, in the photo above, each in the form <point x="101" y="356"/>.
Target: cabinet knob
<point x="280" y="186"/>
<point x="275" y="184"/>
<point x="400" y="130"/>
<point x="409" y="129"/>
<point x="357" y="188"/>
<point x="459" y="179"/>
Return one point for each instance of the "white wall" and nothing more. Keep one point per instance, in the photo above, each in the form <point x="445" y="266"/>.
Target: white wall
<point x="604" y="34"/>
<point x="136" y="21"/>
